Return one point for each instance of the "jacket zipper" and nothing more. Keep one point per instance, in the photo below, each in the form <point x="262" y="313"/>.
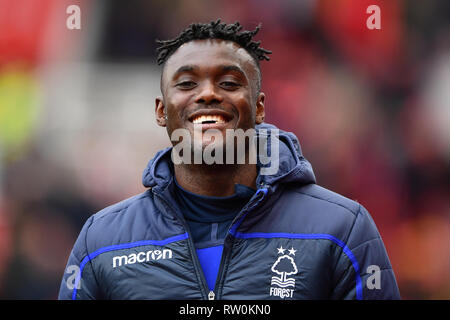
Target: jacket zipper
<point x="227" y="248"/>
<point x="210" y="295"/>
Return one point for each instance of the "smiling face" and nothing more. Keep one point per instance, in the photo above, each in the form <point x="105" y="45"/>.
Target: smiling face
<point x="210" y="83"/>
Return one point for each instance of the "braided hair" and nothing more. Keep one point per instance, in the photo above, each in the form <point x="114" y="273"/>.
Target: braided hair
<point x="215" y="30"/>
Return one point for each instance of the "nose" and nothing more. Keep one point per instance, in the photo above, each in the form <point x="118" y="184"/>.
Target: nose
<point x="208" y="94"/>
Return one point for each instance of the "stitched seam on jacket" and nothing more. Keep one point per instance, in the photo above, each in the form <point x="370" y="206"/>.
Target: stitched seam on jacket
<point x="326" y="200"/>
<point x="87" y="254"/>
<point x="140" y="197"/>
<point x="358" y="214"/>
<point x="348" y="235"/>
<point x="346" y="241"/>
<point x="364" y="242"/>
<point x="381" y="269"/>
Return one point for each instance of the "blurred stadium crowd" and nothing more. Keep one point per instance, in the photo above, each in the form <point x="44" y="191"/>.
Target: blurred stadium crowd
<point x="371" y="109"/>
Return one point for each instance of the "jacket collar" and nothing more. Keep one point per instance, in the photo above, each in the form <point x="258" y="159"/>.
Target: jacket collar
<point x="292" y="166"/>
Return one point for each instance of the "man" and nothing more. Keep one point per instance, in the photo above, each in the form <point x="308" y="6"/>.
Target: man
<point x="226" y="229"/>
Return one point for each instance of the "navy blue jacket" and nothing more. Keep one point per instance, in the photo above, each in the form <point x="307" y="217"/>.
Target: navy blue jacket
<point x="293" y="240"/>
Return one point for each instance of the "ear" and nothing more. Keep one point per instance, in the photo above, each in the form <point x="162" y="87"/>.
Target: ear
<point x="260" y="111"/>
<point x="160" y="112"/>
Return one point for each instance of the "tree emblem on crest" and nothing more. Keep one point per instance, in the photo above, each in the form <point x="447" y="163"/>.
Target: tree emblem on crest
<point x="284" y="266"/>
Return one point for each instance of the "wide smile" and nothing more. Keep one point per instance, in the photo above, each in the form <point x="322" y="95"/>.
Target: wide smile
<point x="204" y="119"/>
<point x="210" y="118"/>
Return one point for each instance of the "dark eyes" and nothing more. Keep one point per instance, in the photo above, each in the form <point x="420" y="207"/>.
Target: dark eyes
<point x="186" y="85"/>
<point x="227" y="85"/>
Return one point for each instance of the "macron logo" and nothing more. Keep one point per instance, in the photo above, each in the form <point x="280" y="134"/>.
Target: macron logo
<point x="142" y="257"/>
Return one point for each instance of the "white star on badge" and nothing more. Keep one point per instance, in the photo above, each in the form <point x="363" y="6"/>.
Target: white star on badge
<point x="281" y="250"/>
<point x="292" y="251"/>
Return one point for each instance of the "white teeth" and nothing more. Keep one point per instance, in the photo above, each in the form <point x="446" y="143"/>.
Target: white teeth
<point x="207" y="118"/>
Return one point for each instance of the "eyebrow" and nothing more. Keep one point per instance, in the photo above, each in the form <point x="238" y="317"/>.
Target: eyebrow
<point x="186" y="68"/>
<point x="233" y="68"/>
<point x="192" y="68"/>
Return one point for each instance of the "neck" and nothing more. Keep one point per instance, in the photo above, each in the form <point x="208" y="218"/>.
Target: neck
<point x="215" y="180"/>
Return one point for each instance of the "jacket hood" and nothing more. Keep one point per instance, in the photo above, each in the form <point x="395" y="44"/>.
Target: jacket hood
<point x="290" y="166"/>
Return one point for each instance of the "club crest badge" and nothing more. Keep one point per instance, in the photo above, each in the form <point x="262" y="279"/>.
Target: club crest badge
<point x="282" y="285"/>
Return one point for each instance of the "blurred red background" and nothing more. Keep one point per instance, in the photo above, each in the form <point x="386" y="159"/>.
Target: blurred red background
<point x="371" y="109"/>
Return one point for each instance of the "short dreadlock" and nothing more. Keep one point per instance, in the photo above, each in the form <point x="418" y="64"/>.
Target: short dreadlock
<point x="215" y="30"/>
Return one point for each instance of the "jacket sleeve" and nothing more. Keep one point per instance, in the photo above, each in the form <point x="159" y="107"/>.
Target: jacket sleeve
<point x="363" y="269"/>
<point x="78" y="282"/>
